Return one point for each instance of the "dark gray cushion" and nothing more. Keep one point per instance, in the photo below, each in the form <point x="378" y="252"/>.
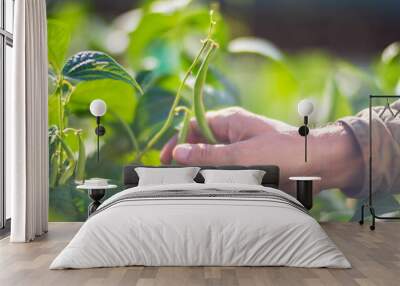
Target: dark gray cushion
<point x="270" y="179"/>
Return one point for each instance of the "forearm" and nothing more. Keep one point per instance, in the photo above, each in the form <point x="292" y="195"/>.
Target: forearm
<point x="336" y="157"/>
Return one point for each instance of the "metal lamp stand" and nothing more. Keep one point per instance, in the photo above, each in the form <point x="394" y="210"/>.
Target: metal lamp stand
<point x="369" y="204"/>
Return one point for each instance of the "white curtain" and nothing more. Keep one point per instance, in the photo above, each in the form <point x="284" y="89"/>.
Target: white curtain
<point x="26" y="124"/>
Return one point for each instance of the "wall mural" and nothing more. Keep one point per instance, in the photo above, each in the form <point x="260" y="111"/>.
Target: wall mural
<point x="164" y="62"/>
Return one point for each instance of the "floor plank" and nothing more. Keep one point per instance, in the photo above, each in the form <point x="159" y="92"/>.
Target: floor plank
<point x="375" y="257"/>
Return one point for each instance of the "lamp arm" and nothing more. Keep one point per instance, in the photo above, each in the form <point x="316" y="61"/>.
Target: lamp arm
<point x="100" y="131"/>
<point x="305" y="137"/>
<point x="305" y="148"/>
<point x="303" y="131"/>
<point x="98" y="137"/>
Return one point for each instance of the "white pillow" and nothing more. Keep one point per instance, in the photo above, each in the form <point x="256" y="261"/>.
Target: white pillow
<point x="248" y="177"/>
<point x="163" y="176"/>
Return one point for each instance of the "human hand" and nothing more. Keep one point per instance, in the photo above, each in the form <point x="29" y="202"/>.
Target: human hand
<point x="248" y="139"/>
<point x="245" y="139"/>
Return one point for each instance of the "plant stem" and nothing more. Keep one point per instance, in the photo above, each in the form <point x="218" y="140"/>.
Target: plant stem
<point x="60" y="121"/>
<point x="169" y="120"/>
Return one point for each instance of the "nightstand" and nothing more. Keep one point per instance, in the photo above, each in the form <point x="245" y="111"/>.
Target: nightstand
<point x="96" y="193"/>
<point x="305" y="190"/>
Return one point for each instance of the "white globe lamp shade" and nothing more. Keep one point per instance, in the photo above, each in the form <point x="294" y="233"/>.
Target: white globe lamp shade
<point x="98" y="107"/>
<point x="305" y="107"/>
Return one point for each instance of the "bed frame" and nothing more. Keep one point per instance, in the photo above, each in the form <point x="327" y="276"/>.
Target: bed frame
<point x="270" y="179"/>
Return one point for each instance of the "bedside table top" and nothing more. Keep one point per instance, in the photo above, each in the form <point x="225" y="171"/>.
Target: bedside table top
<point x="305" y="178"/>
<point x="88" y="187"/>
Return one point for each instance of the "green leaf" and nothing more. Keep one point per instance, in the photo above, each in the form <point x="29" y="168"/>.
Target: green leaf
<point x="196" y="21"/>
<point x="151" y="27"/>
<point x="74" y="14"/>
<point x="219" y="91"/>
<point x="54" y="109"/>
<point x="168" y="6"/>
<point x="388" y="68"/>
<point x="153" y="109"/>
<point x="160" y="36"/>
<point x="127" y="130"/>
<point x="268" y="89"/>
<point x="256" y="46"/>
<point x="151" y="158"/>
<point x="230" y="94"/>
<point x="165" y="55"/>
<point x="93" y="65"/>
<point x="352" y="80"/>
<point x="334" y="104"/>
<point x="59" y="37"/>
<point x="119" y="96"/>
<point x="147" y="79"/>
<point x="391" y="53"/>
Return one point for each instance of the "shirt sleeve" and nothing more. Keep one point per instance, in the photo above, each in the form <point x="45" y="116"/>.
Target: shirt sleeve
<point x="385" y="149"/>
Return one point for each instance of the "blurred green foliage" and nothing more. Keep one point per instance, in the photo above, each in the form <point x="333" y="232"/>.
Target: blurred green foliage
<point x="154" y="45"/>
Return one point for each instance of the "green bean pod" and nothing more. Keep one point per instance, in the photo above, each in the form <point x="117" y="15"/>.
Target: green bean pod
<point x="53" y="169"/>
<point x="69" y="170"/>
<point x="184" y="130"/>
<point x="198" y="104"/>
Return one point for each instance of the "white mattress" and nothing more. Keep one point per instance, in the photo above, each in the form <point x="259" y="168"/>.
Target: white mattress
<point x="200" y="231"/>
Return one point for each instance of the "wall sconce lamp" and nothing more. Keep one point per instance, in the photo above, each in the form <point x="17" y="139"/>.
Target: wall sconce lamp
<point x="98" y="108"/>
<point x="305" y="108"/>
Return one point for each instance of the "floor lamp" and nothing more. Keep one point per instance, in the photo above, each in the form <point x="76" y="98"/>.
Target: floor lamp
<point x="98" y="108"/>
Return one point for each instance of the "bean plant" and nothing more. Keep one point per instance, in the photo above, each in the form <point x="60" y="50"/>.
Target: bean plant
<point x="94" y="65"/>
<point x="208" y="48"/>
<point x="83" y="66"/>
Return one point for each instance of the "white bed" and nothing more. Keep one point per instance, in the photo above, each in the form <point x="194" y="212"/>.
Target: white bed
<point x="206" y="230"/>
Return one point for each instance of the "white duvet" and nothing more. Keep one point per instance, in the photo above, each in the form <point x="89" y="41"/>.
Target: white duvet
<point x="200" y="231"/>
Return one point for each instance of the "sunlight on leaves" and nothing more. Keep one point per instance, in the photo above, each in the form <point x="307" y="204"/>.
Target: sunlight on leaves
<point x="257" y="46"/>
<point x="59" y="38"/>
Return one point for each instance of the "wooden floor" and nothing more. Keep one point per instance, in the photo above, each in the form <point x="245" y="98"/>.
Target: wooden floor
<point x="375" y="257"/>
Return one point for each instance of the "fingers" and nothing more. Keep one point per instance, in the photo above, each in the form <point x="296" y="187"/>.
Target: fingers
<point x="204" y="154"/>
<point x="229" y="125"/>
<point x="193" y="138"/>
<point x="225" y="124"/>
<point x="236" y="124"/>
<point x="166" y="152"/>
